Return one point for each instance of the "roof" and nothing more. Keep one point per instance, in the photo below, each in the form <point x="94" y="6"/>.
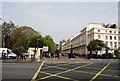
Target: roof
<point x="95" y="23"/>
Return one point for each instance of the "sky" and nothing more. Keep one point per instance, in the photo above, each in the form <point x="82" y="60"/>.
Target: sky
<point x="61" y="20"/>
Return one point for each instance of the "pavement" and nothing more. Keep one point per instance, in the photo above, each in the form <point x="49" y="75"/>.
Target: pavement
<point x="28" y="60"/>
<point x="56" y="60"/>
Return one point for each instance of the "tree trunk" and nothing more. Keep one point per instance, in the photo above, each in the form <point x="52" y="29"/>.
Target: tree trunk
<point x="96" y="52"/>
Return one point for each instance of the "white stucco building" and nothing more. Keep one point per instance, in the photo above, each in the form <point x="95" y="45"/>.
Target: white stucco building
<point x="0" y="36"/>
<point x="110" y="34"/>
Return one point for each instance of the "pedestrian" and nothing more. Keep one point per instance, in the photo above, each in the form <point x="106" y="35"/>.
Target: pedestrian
<point x="49" y="55"/>
<point x="8" y="52"/>
<point x="23" y="56"/>
<point x="58" y="56"/>
<point x="52" y="55"/>
<point x="3" y="55"/>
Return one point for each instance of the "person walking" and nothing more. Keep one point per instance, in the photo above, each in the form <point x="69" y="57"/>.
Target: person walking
<point x="23" y="56"/>
<point x="3" y="55"/>
<point x="49" y="54"/>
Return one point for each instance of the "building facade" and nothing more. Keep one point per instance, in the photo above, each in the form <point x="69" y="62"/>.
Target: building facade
<point x="0" y="36"/>
<point x="110" y="34"/>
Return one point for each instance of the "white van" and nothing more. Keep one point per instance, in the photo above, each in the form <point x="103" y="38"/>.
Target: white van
<point x="10" y="54"/>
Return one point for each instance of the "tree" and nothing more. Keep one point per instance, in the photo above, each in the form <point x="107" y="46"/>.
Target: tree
<point x="36" y="41"/>
<point x="113" y="26"/>
<point x="19" y="38"/>
<point x="7" y="29"/>
<point x="60" y="44"/>
<point x="96" y="45"/>
<point x="48" y="41"/>
<point x="39" y="41"/>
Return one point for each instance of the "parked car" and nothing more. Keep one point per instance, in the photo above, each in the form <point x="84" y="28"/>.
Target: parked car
<point x="71" y="56"/>
<point x="8" y="53"/>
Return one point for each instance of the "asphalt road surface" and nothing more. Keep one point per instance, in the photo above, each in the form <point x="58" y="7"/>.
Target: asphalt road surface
<point x="95" y="70"/>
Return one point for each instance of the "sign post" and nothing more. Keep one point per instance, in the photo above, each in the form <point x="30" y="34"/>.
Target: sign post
<point x="38" y="55"/>
<point x="45" y="48"/>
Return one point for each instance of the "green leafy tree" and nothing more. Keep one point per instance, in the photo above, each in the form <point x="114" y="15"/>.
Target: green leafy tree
<point x="39" y="41"/>
<point x="19" y="38"/>
<point x="48" y="41"/>
<point x="96" y="45"/>
<point x="36" y="41"/>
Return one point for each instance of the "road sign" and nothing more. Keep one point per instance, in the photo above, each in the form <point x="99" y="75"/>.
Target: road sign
<point x="45" y="48"/>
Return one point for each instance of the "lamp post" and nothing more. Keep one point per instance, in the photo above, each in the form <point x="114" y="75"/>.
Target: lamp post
<point x="3" y="27"/>
<point x="36" y="47"/>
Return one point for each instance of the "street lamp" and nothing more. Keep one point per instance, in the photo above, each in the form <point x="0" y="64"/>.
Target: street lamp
<point x="36" y="47"/>
<point x="3" y="26"/>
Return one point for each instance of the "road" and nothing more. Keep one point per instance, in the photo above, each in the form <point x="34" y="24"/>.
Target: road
<point x="71" y="70"/>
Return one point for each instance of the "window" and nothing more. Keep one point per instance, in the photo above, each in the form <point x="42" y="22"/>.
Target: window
<point x="98" y="36"/>
<point x="114" y="31"/>
<point x="106" y="31"/>
<point x="110" y="31"/>
<point x="115" y="44"/>
<point x="110" y="37"/>
<point x="114" y="37"/>
<point x="106" y="37"/>
<point x="119" y="44"/>
<point x="111" y="44"/>
<point x="98" y="30"/>
<point x="106" y="43"/>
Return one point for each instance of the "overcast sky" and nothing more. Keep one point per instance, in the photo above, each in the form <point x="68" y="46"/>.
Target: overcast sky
<point x="61" y="20"/>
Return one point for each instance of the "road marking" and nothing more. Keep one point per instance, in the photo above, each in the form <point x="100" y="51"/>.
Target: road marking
<point x="99" y="68"/>
<point x="53" y="66"/>
<point x="73" y="69"/>
<point x="95" y="73"/>
<point x="100" y="72"/>
<point x="67" y="78"/>
<point x="64" y="71"/>
<point x="36" y="74"/>
<point x="55" y="76"/>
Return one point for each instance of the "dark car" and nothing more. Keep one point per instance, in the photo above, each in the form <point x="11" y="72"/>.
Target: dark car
<point x="71" y="56"/>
